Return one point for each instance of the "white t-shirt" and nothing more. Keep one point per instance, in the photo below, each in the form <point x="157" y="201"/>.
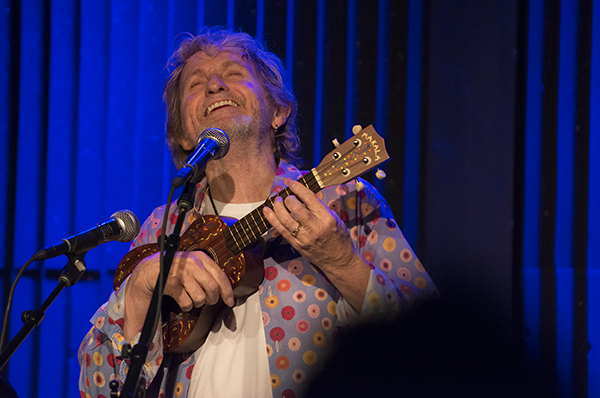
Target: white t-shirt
<point x="233" y="361"/>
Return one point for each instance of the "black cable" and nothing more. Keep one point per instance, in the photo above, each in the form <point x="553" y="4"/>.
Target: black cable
<point x="11" y="294"/>
<point x="160" y="286"/>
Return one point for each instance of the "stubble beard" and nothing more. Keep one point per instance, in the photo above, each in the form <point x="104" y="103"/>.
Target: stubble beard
<point x="243" y="129"/>
<point x="237" y="127"/>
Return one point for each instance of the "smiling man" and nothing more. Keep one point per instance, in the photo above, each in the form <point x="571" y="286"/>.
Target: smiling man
<point x="331" y="260"/>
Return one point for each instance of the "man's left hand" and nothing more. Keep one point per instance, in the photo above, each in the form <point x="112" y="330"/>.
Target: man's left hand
<point x="322" y="238"/>
<point x="313" y="229"/>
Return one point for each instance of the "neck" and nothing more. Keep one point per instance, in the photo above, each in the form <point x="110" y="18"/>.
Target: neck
<point x="241" y="176"/>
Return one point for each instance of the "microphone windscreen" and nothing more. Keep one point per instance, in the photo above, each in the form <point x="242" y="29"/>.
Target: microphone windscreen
<point x="220" y="137"/>
<point x="130" y="225"/>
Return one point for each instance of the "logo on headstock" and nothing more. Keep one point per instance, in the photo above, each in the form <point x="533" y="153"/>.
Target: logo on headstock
<point x="373" y="143"/>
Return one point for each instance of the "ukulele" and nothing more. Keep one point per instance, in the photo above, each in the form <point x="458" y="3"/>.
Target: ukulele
<point x="228" y="245"/>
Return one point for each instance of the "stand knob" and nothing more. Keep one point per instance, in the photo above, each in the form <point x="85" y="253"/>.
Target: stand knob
<point x="25" y="315"/>
<point x="126" y="351"/>
<point x="114" y="387"/>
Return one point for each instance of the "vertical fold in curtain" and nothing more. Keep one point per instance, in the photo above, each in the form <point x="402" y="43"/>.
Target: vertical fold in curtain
<point x="558" y="205"/>
<point x="593" y="225"/>
<point x="30" y="170"/>
<point x="584" y="370"/>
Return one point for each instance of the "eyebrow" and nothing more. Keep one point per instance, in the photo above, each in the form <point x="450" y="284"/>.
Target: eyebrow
<point x="225" y="65"/>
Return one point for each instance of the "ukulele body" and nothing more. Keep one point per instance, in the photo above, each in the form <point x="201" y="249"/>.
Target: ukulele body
<point x="186" y="331"/>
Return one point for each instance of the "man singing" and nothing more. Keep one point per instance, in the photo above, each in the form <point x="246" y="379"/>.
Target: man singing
<point x="331" y="259"/>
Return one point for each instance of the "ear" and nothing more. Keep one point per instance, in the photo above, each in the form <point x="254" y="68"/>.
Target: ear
<point x="280" y="116"/>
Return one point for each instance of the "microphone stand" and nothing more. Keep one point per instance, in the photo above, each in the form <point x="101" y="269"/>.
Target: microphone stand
<point x="134" y="384"/>
<point x="70" y="274"/>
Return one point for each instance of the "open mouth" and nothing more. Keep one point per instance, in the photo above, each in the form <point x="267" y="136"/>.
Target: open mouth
<point x="220" y="104"/>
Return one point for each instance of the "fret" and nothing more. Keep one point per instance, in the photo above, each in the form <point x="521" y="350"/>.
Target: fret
<point x="246" y="230"/>
<point x="237" y="248"/>
<point x="266" y="225"/>
<point x="251" y="215"/>
<point x="285" y="193"/>
<point x="311" y="181"/>
<point x="302" y="180"/>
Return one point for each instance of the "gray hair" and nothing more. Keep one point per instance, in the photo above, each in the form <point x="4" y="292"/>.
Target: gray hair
<point x="269" y="69"/>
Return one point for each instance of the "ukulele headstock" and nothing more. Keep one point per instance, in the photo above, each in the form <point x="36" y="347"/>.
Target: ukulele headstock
<point x="357" y="155"/>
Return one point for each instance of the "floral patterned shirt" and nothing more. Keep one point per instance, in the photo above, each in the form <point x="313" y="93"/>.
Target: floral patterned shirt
<point x="302" y="311"/>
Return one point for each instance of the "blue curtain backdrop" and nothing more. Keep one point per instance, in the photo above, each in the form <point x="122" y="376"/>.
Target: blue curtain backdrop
<point x="490" y="111"/>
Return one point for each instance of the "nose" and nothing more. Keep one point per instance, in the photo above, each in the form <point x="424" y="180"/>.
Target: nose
<point x="215" y="85"/>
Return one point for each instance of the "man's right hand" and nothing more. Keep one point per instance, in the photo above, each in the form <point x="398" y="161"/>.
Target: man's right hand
<point x="194" y="280"/>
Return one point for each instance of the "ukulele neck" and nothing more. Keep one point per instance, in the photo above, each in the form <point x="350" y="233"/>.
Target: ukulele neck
<point x="250" y="228"/>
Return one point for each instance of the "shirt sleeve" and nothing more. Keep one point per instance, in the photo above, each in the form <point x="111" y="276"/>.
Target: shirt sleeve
<point x="100" y="352"/>
<point x="397" y="278"/>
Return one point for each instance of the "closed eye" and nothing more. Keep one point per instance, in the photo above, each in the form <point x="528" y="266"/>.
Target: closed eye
<point x="234" y="73"/>
<point x="195" y="82"/>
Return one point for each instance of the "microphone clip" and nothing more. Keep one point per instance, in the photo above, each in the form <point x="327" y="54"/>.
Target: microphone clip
<point x="73" y="271"/>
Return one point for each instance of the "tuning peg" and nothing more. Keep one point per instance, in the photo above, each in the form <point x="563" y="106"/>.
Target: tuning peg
<point x="336" y="143"/>
<point x="356" y="129"/>
<point x="380" y="174"/>
<point x="359" y="185"/>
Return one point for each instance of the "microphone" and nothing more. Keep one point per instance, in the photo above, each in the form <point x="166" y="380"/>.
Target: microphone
<point x="213" y="143"/>
<point x="123" y="226"/>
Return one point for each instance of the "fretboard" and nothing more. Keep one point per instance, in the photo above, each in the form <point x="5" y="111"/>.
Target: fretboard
<point x="252" y="226"/>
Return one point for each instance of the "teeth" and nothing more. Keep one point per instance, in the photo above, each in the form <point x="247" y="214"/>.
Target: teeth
<point x="219" y="104"/>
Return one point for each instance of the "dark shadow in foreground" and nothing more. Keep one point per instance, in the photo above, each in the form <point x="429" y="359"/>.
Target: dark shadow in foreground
<point x="448" y="348"/>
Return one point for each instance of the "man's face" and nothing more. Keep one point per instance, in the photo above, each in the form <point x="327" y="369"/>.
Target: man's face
<point x="223" y="92"/>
